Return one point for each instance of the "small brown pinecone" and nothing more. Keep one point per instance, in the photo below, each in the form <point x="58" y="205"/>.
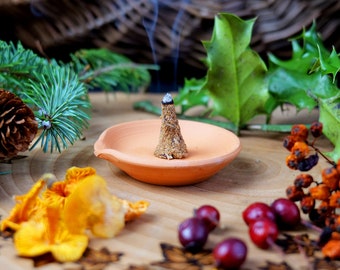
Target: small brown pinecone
<point x="18" y="126"/>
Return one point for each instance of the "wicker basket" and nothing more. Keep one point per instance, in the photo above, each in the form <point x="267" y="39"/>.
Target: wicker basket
<point x="62" y="26"/>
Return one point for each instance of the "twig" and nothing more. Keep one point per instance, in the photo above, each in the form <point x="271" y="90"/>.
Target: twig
<point x="323" y="155"/>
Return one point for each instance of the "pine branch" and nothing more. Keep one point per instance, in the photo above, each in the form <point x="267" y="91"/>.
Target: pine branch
<point x="16" y="66"/>
<point x="58" y="92"/>
<point x="101" y="68"/>
<point x="62" y="107"/>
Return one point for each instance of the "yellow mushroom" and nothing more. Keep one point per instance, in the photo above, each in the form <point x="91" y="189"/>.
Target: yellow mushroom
<point x="91" y="206"/>
<point x="49" y="234"/>
<point x="134" y="210"/>
<point x="26" y="206"/>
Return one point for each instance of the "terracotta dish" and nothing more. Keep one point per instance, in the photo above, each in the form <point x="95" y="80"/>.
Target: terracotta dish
<point x="130" y="147"/>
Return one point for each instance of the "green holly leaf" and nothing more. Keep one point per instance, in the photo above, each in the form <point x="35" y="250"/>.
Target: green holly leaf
<point x="330" y="118"/>
<point x="299" y="88"/>
<point x="235" y="78"/>
<point x="303" y="78"/>
<point x="330" y="64"/>
<point x="190" y="95"/>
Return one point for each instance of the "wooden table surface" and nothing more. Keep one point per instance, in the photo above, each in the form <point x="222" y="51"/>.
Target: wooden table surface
<point x="257" y="174"/>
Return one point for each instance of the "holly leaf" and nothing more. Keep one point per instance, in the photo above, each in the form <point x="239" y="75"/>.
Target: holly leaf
<point x="190" y="95"/>
<point x="299" y="88"/>
<point x="235" y="78"/>
<point x="330" y="64"/>
<point x="303" y="78"/>
<point x="330" y="117"/>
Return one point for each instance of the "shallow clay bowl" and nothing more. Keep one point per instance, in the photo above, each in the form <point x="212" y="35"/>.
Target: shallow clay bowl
<point x="130" y="147"/>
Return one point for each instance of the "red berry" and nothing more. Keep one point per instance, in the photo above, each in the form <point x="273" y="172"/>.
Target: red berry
<point x="299" y="131"/>
<point x="303" y="180"/>
<point x="300" y="150"/>
<point x="193" y="234"/>
<point x="307" y="204"/>
<point x="257" y="210"/>
<point x="230" y="253"/>
<point x="287" y="213"/>
<point x="289" y="141"/>
<point x="263" y="232"/>
<point x="209" y="214"/>
<point x="292" y="162"/>
<point x="316" y="129"/>
<point x="308" y="163"/>
<point x="294" y="193"/>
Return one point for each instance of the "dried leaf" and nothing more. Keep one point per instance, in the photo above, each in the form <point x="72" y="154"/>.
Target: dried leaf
<point x="43" y="259"/>
<point x="177" y="265"/>
<point x="324" y="264"/>
<point x="276" y="266"/>
<point x="100" y="256"/>
<point x="178" y="258"/>
<point x="139" y="267"/>
<point x="308" y="246"/>
<point x="296" y="243"/>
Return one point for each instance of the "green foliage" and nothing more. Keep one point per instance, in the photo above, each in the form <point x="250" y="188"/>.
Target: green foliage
<point x="192" y="95"/>
<point x="330" y="117"/>
<point x="240" y="87"/>
<point x="61" y="105"/>
<point x="58" y="92"/>
<point x="304" y="80"/>
<point x="235" y="78"/>
<point x="103" y="69"/>
<point x="16" y="66"/>
<point x="301" y="79"/>
<point x="330" y="64"/>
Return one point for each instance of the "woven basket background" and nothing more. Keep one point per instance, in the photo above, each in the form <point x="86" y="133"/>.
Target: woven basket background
<point x="59" y="27"/>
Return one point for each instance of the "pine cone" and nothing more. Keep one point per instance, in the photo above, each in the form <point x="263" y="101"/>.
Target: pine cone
<point x="18" y="126"/>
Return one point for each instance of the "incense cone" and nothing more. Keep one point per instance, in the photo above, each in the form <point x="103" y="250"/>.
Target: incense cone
<point x="171" y="144"/>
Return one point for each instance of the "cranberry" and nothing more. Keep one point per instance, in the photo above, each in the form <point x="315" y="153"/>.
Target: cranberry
<point x="230" y="253"/>
<point x="287" y="213"/>
<point x="263" y="232"/>
<point x="193" y="234"/>
<point x="257" y="210"/>
<point x="209" y="214"/>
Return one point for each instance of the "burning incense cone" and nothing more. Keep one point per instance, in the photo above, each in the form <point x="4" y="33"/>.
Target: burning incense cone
<point x="171" y="144"/>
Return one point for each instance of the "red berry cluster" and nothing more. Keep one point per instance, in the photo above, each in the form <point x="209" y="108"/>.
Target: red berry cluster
<point x="193" y="234"/>
<point x="297" y="143"/>
<point x="265" y="221"/>
<point x="319" y="199"/>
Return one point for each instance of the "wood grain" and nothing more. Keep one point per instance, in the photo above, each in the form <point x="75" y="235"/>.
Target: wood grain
<point x="257" y="174"/>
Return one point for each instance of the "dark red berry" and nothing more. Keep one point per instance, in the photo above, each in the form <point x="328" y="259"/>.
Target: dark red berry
<point x="317" y="218"/>
<point x="316" y="129"/>
<point x="209" y="214"/>
<point x="230" y="253"/>
<point x="257" y="210"/>
<point x="287" y="213"/>
<point x="308" y="163"/>
<point x="263" y="232"/>
<point x="193" y="234"/>
<point x="289" y="141"/>
<point x="294" y="193"/>
<point x="303" y="180"/>
<point x="307" y="204"/>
